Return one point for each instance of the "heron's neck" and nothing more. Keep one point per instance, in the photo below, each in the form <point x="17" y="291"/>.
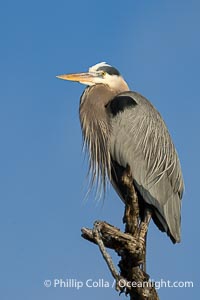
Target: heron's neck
<point x="94" y="100"/>
<point x="96" y="129"/>
<point x="122" y="87"/>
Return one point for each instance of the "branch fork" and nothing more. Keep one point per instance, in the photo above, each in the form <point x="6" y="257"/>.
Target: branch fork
<point x="129" y="245"/>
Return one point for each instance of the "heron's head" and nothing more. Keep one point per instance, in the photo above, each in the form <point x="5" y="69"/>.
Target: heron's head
<point x="101" y="73"/>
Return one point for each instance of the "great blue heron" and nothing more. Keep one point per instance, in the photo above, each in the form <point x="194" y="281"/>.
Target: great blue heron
<point x="121" y="128"/>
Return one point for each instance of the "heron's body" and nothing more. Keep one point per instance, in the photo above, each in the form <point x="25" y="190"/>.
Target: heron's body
<point x="123" y="128"/>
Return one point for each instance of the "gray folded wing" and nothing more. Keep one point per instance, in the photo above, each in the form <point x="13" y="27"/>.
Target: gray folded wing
<point x="140" y="138"/>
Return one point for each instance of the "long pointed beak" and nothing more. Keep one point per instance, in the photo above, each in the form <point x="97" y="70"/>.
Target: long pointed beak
<point x="80" y="77"/>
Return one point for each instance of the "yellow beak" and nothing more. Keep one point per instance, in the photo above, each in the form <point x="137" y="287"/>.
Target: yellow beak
<point x="80" y="77"/>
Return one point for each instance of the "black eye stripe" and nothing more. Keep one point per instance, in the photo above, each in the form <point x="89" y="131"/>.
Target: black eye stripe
<point x="110" y="70"/>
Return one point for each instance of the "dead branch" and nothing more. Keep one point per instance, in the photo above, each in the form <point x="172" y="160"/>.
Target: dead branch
<point x="129" y="245"/>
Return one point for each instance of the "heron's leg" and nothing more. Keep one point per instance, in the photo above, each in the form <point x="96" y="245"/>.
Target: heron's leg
<point x="143" y="233"/>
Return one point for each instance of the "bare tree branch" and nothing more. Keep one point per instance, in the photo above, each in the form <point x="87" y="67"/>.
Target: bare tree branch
<point x="129" y="245"/>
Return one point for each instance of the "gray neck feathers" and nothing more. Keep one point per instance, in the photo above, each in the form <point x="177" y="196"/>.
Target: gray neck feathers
<point x="96" y="129"/>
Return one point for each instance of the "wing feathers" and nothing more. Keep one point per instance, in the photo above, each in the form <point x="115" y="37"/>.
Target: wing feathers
<point x="141" y="139"/>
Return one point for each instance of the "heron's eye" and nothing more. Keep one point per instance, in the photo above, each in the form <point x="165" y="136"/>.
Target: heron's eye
<point x="103" y="74"/>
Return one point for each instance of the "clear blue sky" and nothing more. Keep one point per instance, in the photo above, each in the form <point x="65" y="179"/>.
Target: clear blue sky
<point x="156" y="45"/>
